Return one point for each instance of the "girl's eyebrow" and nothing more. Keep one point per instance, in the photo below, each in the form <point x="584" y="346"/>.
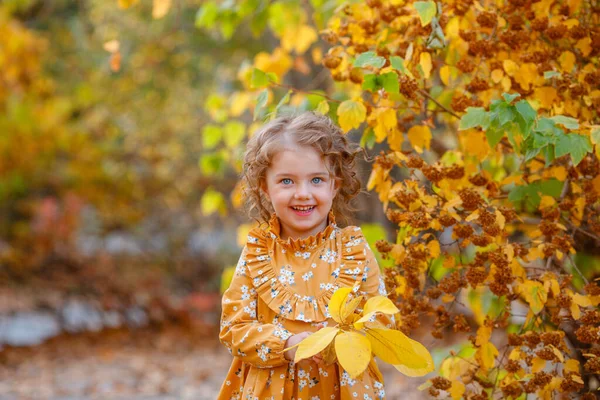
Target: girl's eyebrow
<point x="294" y="175"/>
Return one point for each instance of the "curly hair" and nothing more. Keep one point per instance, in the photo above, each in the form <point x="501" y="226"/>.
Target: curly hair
<point x="306" y="129"/>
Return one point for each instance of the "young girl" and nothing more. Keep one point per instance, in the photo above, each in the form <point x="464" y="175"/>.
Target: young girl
<point x="298" y="173"/>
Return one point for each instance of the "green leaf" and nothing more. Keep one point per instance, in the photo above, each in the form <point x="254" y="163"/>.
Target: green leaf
<point x="540" y="140"/>
<point x="206" y="15"/>
<point x="475" y="116"/>
<point x="510" y="97"/>
<point x="389" y="81"/>
<point x="261" y="102"/>
<point x="494" y="136"/>
<point x="212" y="164"/>
<point x="233" y="133"/>
<point x="525" y="117"/>
<point x="568" y="122"/>
<point x="550" y="74"/>
<point x="369" y="59"/>
<point x="595" y="135"/>
<point x="371" y="83"/>
<point x="426" y="11"/>
<point x="368" y="139"/>
<point x="575" y="145"/>
<point x="211" y="136"/>
<point x="284" y="100"/>
<point x="506" y="113"/>
<point x="259" y="79"/>
<point x="398" y="64"/>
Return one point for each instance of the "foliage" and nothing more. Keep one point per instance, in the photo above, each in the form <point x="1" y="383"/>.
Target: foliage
<point x="493" y="110"/>
<point x="357" y="335"/>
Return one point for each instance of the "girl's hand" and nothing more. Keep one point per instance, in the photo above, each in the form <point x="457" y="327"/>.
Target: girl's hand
<point x="293" y="341"/>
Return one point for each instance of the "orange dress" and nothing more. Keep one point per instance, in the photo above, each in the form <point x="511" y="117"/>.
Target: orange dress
<point x="280" y="288"/>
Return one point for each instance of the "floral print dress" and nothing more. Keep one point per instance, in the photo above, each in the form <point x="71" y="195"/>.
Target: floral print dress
<point x="281" y="288"/>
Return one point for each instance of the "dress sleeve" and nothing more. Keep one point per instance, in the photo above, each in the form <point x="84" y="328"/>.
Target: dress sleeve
<point x="358" y="253"/>
<point x="256" y="343"/>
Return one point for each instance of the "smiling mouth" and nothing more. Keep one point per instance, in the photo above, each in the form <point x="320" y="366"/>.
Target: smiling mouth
<point x="307" y="208"/>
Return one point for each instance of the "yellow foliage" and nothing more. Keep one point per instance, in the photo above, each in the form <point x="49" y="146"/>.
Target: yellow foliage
<point x="351" y="114"/>
<point x="353" y="352"/>
<point x="419" y="137"/>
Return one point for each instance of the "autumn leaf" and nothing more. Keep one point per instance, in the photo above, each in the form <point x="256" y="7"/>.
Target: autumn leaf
<point x="353" y="352"/>
<point x="419" y="137"/>
<point x="160" y="8"/>
<point x="407" y="355"/>
<point x="315" y="343"/>
<point x="351" y="114"/>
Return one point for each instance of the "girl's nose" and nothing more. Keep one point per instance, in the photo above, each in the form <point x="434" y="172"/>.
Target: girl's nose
<point x="302" y="192"/>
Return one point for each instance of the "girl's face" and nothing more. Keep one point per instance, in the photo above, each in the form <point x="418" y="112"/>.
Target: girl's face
<point x="301" y="191"/>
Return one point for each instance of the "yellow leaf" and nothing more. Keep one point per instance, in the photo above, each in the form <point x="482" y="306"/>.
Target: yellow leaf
<point x="127" y="3"/>
<point x="353" y="351"/>
<point x="473" y="216"/>
<point x="576" y="378"/>
<point x="527" y="75"/>
<point x="500" y="219"/>
<point x="510" y="67"/>
<point x="419" y="137"/>
<point x="377" y="304"/>
<point x="314" y="343"/>
<point x="445" y="75"/>
<point x="349" y="307"/>
<point x="535" y="294"/>
<point x="160" y="8"/>
<point x="483" y="335"/>
<point x="434" y="248"/>
<point x="575" y="311"/>
<point x="457" y="390"/>
<point x="557" y="353"/>
<point x="547" y="201"/>
<point x="384" y="122"/>
<point x="425" y="63"/>
<point x="328" y="354"/>
<point x="337" y="303"/>
<point x="298" y="38"/>
<point x="584" y="45"/>
<point x="323" y="107"/>
<point x="581" y="300"/>
<point x="567" y="61"/>
<point x="546" y="96"/>
<point x="239" y="102"/>
<point x="487" y="354"/>
<point x="405" y="354"/>
<point x="497" y="75"/>
<point x="475" y="143"/>
<point x="571" y="365"/>
<point x="537" y="365"/>
<point x="351" y="114"/>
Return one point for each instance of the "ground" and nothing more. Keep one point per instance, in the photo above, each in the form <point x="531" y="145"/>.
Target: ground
<point x="150" y="364"/>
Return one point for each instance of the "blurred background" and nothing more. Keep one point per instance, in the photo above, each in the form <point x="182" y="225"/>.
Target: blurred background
<point x="119" y="205"/>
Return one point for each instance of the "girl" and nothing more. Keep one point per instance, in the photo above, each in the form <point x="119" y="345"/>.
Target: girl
<point x="299" y="175"/>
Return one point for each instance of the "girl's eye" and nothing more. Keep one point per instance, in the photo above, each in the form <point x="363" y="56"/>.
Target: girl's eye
<point x="286" y="181"/>
<point x="317" y="180"/>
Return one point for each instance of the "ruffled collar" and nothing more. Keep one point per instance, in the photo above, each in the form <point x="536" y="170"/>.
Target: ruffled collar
<point x="302" y="243"/>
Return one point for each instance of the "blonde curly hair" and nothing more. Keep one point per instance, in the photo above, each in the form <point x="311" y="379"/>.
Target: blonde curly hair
<point x="306" y="129"/>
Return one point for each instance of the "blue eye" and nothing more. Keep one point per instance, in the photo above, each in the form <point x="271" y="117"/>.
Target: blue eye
<point x="286" y="181"/>
<point x="317" y="180"/>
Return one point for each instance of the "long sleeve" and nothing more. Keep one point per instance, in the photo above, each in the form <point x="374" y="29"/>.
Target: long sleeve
<point x="257" y="343"/>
